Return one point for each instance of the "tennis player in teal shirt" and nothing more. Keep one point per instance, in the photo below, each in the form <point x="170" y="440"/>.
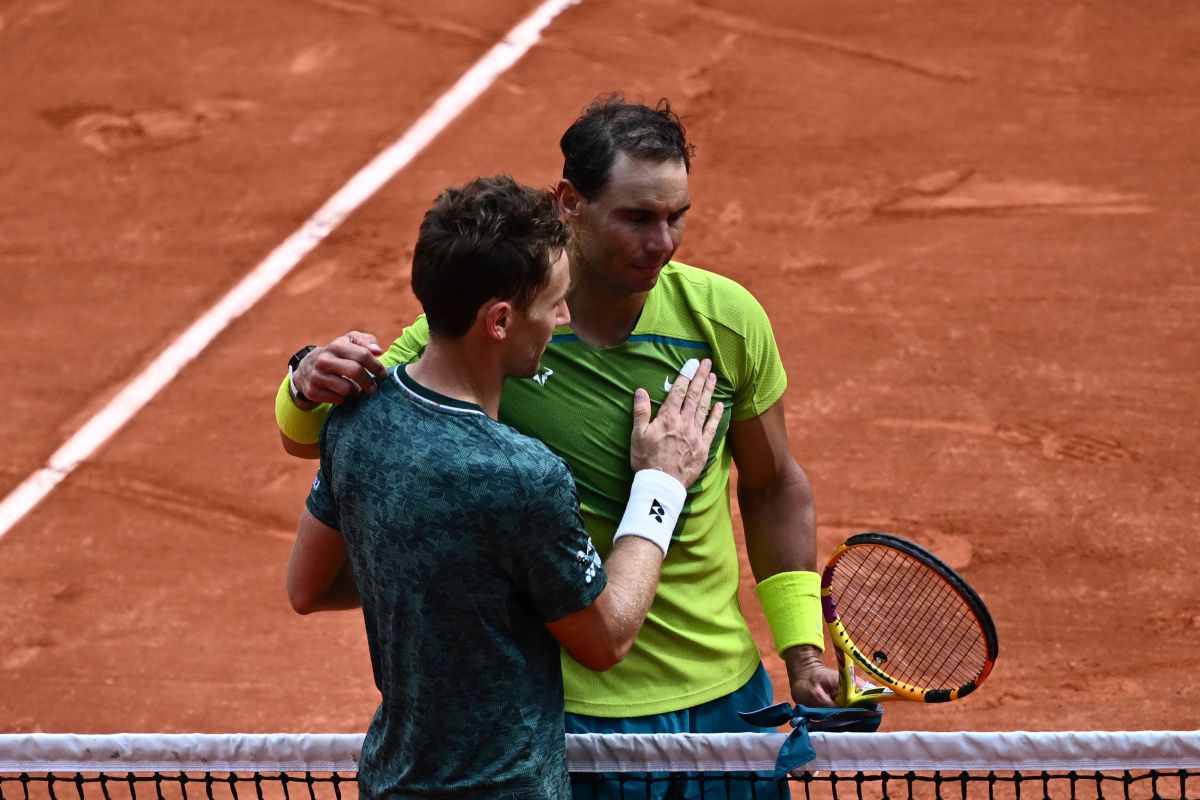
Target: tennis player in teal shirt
<point x="461" y="538"/>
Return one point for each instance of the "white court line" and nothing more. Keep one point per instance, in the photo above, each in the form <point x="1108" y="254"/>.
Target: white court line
<point x="139" y="391"/>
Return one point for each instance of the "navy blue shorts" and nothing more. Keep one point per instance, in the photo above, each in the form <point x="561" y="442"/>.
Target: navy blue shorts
<point x="715" y="716"/>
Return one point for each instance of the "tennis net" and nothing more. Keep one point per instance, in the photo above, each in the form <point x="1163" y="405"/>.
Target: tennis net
<point x="1146" y="764"/>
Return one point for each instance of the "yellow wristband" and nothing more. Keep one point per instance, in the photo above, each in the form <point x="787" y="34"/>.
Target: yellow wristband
<point x="791" y="602"/>
<point x="297" y="424"/>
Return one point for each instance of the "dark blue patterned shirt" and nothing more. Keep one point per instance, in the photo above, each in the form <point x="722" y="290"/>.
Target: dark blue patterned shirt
<point x="465" y="538"/>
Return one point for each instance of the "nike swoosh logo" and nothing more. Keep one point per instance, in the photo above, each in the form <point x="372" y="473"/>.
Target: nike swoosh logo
<point x="688" y="370"/>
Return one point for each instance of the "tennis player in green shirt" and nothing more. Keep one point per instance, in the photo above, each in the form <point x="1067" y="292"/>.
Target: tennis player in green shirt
<point x="637" y="318"/>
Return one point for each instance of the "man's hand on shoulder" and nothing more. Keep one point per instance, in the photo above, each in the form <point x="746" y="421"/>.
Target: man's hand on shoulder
<point x="346" y="367"/>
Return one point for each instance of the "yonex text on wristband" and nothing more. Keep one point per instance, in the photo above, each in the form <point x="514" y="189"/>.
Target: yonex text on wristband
<point x="655" y="502"/>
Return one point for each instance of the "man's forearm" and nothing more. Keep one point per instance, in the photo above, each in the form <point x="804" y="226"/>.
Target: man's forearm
<point x="780" y="524"/>
<point x="319" y="574"/>
<point x="340" y="595"/>
<point x="602" y="634"/>
<point x="780" y="527"/>
<point x="633" y="568"/>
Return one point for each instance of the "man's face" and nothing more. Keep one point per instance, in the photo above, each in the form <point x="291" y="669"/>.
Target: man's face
<point x="629" y="231"/>
<point x="533" y="326"/>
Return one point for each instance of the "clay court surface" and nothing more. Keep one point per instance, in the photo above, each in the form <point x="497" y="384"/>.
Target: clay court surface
<point x="974" y="226"/>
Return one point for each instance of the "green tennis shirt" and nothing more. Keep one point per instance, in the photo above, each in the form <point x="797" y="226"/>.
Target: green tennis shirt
<point x="695" y="645"/>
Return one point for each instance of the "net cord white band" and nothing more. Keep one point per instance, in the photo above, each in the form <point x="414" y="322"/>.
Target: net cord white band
<point x="839" y="752"/>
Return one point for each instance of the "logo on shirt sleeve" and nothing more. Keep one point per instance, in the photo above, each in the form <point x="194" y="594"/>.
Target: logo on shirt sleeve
<point x="590" y="559"/>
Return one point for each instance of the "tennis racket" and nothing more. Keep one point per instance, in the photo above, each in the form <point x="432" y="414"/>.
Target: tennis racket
<point x="911" y="623"/>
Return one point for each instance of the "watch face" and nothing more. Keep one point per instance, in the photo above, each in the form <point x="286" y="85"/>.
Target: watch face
<point x="299" y="356"/>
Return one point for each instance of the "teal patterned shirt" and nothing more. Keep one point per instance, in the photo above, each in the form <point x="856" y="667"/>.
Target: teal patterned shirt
<point x="465" y="537"/>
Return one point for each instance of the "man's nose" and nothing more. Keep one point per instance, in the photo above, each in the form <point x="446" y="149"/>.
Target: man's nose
<point x="658" y="239"/>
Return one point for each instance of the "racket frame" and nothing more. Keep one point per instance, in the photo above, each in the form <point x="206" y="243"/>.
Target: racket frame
<point x="848" y="654"/>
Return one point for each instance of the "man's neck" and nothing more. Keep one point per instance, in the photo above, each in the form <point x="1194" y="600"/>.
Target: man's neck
<point x="602" y="317"/>
<point x="450" y="368"/>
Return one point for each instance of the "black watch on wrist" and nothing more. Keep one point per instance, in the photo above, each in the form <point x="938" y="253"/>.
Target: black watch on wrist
<point x="293" y="364"/>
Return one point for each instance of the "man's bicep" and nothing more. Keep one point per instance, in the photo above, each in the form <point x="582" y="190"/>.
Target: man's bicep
<point x="299" y="449"/>
<point x="580" y="633"/>
<point x="774" y="495"/>
<point x="318" y="556"/>
<point x="558" y="569"/>
<point x="573" y="627"/>
<point x="760" y="447"/>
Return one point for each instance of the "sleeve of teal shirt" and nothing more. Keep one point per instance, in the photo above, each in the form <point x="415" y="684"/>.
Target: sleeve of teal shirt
<point x="321" y="502"/>
<point x="554" y="562"/>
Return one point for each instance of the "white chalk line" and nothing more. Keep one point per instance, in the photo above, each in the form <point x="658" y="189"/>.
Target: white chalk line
<point x="271" y="270"/>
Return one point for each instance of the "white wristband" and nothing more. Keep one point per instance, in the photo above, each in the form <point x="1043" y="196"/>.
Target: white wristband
<point x="655" y="502"/>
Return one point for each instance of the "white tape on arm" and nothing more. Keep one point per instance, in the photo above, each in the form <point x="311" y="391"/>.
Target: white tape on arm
<point x="655" y="502"/>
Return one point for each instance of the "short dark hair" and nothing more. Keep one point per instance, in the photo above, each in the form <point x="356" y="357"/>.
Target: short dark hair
<point x="609" y="126"/>
<point x="490" y="238"/>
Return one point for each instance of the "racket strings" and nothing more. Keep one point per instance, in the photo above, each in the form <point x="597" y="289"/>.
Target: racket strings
<point x="926" y="610"/>
<point x="946" y="616"/>
<point x="898" y="633"/>
<point x="907" y="620"/>
<point x="909" y="653"/>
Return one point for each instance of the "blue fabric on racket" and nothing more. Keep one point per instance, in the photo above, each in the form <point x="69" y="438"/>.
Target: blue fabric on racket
<point x="797" y="749"/>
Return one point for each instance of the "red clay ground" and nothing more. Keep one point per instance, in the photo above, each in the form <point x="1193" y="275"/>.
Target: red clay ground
<point x="974" y="230"/>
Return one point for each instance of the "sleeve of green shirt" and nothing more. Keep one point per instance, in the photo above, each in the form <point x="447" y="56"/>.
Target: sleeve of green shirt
<point x="409" y="346"/>
<point x="747" y="348"/>
<point x="304" y="426"/>
<point x="766" y="367"/>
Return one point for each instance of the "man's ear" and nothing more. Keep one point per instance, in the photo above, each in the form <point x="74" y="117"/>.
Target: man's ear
<point x="497" y="318"/>
<point x="570" y="201"/>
